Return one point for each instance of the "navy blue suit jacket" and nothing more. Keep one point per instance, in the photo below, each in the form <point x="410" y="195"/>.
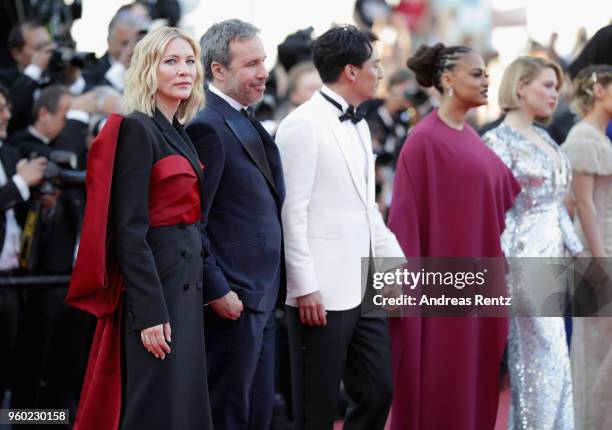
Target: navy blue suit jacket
<point x="241" y="221"/>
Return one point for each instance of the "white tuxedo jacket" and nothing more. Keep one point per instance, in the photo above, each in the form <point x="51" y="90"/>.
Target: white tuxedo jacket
<point x="330" y="218"/>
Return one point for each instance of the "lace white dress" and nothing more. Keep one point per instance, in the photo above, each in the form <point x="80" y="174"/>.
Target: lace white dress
<point x="590" y="151"/>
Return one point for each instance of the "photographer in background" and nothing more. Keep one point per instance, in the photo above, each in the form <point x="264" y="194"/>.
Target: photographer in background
<point x="389" y="120"/>
<point x="123" y="32"/>
<point x="38" y="63"/>
<point x="50" y="112"/>
<point x="53" y="338"/>
<point x="15" y="180"/>
<point x="87" y="114"/>
<point x="294" y="50"/>
<point x="303" y="82"/>
<point x="31" y="48"/>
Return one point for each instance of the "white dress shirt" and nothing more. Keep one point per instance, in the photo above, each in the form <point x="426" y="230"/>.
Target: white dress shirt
<point x="37" y="134"/>
<point x="233" y="103"/>
<point x="9" y="257"/>
<point x="351" y="128"/>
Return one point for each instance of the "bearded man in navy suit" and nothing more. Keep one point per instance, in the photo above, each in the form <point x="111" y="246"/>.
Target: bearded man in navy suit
<point x="241" y="229"/>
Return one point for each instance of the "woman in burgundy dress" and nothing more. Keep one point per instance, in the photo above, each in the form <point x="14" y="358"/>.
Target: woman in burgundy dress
<point x="449" y="199"/>
<point x="139" y="266"/>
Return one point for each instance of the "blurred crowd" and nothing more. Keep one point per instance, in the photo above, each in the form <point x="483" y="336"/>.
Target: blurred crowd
<point x="54" y="100"/>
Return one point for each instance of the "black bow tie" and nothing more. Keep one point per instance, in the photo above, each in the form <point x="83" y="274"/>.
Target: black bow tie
<point x="351" y="113"/>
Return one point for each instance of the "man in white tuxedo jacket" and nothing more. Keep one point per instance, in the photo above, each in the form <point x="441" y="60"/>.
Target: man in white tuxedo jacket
<point x="331" y="222"/>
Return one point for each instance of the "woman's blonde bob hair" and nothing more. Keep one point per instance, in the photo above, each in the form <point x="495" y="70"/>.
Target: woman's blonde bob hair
<point x="141" y="77"/>
<point x="523" y="70"/>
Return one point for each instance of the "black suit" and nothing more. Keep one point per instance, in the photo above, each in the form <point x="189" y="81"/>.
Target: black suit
<point x="21" y="94"/>
<point x="74" y="138"/>
<point x="242" y="233"/>
<point x="9" y="194"/>
<point x="95" y="76"/>
<point x="161" y="267"/>
<point x="9" y="298"/>
<point x="54" y="338"/>
<point x="58" y="233"/>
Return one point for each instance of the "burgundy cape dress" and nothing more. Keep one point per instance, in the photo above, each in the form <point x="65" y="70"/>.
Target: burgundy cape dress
<point x="96" y="285"/>
<point x="449" y="200"/>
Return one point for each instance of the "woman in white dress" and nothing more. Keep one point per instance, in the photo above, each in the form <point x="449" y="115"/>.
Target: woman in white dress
<point x="590" y="153"/>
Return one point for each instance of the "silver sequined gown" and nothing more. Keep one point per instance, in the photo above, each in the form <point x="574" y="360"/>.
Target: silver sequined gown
<point x="538" y="225"/>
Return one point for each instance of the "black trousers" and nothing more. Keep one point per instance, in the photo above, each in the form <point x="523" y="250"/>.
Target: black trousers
<point x="351" y="349"/>
<point x="52" y="349"/>
<point x="9" y="322"/>
<point x="240" y="360"/>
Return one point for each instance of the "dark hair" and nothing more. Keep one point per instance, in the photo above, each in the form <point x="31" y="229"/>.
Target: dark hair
<point x="429" y="62"/>
<point x="340" y="46"/>
<point x="296" y="48"/>
<point x="16" y="37"/>
<point x="49" y="98"/>
<point x="368" y="11"/>
<point x="596" y="51"/>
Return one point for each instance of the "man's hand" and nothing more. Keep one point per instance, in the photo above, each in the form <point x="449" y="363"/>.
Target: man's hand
<point x="32" y="171"/>
<point x="312" y="311"/>
<point x="110" y="104"/>
<point x="87" y="102"/>
<point x="391" y="292"/>
<point x="229" y="306"/>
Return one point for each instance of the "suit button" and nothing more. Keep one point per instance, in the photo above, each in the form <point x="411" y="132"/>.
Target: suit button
<point x="185" y="287"/>
<point x="185" y="254"/>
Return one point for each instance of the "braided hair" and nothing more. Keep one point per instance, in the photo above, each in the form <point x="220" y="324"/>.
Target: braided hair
<point x="584" y="96"/>
<point x="430" y="62"/>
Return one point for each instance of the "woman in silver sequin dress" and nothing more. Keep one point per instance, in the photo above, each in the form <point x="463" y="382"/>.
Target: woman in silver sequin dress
<point x="538" y="225"/>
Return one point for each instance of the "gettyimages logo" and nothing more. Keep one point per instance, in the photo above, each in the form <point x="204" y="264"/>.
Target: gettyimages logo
<point x="487" y="287"/>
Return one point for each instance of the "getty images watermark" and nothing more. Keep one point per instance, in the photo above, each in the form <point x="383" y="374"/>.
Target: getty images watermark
<point x="486" y="287"/>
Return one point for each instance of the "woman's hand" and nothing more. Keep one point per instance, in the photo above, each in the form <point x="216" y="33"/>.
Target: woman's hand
<point x="156" y="339"/>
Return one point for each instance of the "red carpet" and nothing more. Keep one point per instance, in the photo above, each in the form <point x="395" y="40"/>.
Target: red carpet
<point x="502" y="413"/>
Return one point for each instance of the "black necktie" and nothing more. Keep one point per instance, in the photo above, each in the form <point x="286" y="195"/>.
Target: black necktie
<point x="258" y="151"/>
<point x="351" y="113"/>
<point x="248" y="113"/>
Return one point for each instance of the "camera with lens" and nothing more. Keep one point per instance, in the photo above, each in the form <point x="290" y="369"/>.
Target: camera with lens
<point x="64" y="56"/>
<point x="417" y="97"/>
<point x="60" y="171"/>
